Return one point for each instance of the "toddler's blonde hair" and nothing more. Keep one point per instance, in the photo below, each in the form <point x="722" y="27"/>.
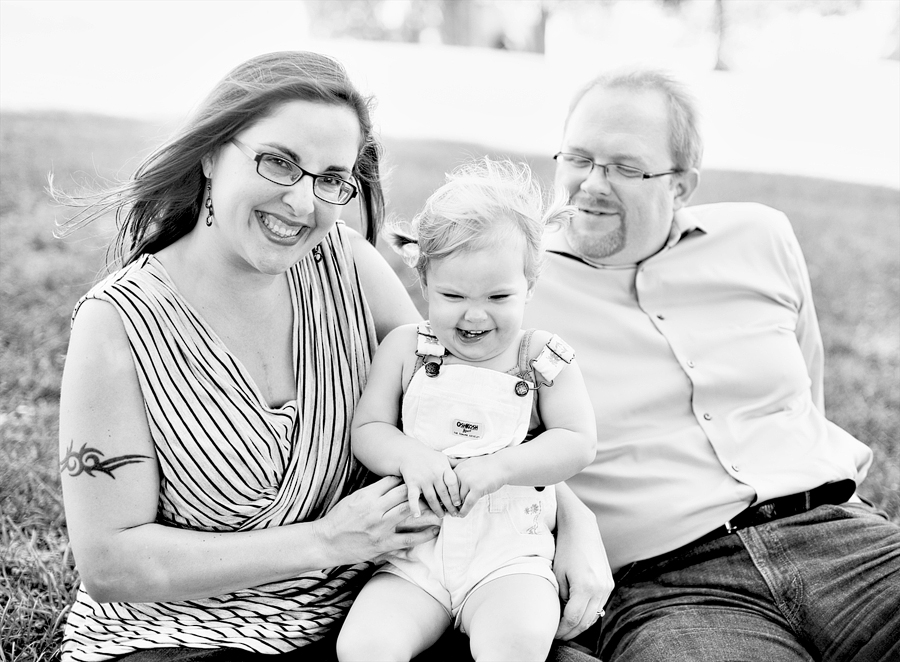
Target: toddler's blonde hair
<point x="483" y="204"/>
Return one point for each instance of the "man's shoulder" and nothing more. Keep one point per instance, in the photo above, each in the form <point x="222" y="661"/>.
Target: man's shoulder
<point x="735" y="219"/>
<point x="735" y="231"/>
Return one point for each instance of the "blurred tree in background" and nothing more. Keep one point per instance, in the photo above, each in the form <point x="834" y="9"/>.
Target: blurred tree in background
<point x="522" y="25"/>
<point x="508" y="24"/>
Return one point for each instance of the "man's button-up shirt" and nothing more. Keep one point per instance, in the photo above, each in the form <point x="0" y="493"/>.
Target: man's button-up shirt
<point x="705" y="368"/>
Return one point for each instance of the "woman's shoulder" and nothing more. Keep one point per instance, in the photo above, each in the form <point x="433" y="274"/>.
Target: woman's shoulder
<point x="344" y="236"/>
<point x="135" y="273"/>
<point x="134" y="279"/>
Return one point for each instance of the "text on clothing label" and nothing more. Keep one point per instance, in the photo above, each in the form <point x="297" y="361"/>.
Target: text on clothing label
<point x="467" y="429"/>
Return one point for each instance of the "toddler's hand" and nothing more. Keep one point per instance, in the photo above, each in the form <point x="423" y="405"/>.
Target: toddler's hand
<point x="427" y="473"/>
<point x="478" y="476"/>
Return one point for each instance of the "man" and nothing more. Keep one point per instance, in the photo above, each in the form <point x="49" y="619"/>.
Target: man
<point x="725" y="498"/>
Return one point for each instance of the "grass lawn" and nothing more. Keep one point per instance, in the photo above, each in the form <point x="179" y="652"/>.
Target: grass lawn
<point x="849" y="233"/>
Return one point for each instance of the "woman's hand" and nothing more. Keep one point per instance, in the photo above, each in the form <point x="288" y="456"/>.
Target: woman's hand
<point x="580" y="564"/>
<point x="373" y="521"/>
<point x="427" y="473"/>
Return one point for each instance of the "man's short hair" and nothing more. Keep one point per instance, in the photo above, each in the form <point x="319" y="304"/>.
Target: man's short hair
<point x="685" y="141"/>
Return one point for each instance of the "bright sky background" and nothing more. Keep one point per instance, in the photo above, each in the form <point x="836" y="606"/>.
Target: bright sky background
<point x="808" y="95"/>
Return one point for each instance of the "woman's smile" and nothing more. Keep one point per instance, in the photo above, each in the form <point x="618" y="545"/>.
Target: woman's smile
<point x="281" y="230"/>
<point x="265" y="225"/>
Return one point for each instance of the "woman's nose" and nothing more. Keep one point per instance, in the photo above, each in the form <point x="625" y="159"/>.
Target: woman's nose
<point x="300" y="197"/>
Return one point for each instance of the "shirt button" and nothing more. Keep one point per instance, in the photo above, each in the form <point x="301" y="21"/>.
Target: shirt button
<point x="690" y="364"/>
<point x="735" y="467"/>
<point x="707" y="417"/>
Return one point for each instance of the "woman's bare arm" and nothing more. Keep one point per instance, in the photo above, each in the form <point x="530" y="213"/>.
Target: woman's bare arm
<point x="387" y="297"/>
<point x="110" y="480"/>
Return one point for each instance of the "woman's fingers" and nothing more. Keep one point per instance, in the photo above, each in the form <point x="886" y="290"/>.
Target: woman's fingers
<point x="384" y="485"/>
<point x="400" y="517"/>
<point x="376" y="520"/>
<point x="413" y="494"/>
<point x="397" y="494"/>
<point x="408" y="539"/>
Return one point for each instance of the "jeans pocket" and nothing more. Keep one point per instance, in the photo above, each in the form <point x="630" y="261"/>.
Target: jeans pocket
<point x="864" y="509"/>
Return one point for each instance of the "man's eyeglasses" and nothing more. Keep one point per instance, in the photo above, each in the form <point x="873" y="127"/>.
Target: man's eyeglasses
<point x="282" y="171"/>
<point x="615" y="172"/>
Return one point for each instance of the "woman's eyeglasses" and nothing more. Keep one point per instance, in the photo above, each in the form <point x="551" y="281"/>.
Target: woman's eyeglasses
<point x="284" y="172"/>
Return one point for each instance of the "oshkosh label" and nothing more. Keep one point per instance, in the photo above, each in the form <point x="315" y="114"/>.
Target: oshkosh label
<point x="467" y="429"/>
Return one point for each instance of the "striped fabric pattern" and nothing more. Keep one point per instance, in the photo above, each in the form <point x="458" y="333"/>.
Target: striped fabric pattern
<point x="229" y="462"/>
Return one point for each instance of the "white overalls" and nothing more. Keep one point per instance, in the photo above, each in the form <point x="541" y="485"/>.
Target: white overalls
<point x="465" y="411"/>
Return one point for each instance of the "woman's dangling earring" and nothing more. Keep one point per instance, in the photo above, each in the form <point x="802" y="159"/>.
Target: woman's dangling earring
<point x="210" y="214"/>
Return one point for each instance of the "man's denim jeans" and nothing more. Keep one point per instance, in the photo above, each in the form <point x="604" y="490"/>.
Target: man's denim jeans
<point x="823" y="585"/>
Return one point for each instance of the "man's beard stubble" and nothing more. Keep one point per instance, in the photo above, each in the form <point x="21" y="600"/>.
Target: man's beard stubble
<point x="593" y="247"/>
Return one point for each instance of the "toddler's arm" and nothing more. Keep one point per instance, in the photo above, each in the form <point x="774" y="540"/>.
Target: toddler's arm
<point x="380" y="445"/>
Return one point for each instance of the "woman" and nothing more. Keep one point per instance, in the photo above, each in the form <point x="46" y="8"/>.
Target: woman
<point x="210" y="383"/>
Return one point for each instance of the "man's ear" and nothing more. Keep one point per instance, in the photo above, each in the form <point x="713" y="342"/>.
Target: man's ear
<point x="685" y="185"/>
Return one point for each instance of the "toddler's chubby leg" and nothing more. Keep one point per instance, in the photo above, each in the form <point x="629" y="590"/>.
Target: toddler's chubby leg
<point x="513" y="617"/>
<point x="391" y="619"/>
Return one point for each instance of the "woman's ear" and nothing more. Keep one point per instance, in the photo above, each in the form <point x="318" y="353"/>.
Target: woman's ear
<point x="207" y="162"/>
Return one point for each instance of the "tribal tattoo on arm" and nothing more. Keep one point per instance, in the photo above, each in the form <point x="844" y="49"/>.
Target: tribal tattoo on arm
<point x="88" y="460"/>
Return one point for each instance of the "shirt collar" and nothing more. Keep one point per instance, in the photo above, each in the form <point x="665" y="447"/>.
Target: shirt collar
<point x="683" y="224"/>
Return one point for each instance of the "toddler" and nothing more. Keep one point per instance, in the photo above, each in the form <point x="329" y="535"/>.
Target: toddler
<point x="480" y="418"/>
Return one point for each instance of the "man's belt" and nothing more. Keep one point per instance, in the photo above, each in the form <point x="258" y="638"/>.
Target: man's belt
<point x="792" y="504"/>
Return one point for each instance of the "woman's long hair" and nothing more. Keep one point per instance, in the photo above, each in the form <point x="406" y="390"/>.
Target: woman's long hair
<point x="161" y="202"/>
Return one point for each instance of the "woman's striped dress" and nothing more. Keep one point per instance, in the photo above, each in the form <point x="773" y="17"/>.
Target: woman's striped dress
<point x="228" y="462"/>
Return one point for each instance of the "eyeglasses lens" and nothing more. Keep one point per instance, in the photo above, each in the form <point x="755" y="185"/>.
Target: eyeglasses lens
<point x="329" y="189"/>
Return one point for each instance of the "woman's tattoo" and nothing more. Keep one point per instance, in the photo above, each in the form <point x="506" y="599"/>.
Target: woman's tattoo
<point x="88" y="460"/>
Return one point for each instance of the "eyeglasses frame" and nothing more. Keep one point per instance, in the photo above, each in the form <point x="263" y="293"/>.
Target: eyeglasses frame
<point x="644" y="175"/>
<point x="252" y="154"/>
